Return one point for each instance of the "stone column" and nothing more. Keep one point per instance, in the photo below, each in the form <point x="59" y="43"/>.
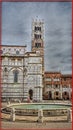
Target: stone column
<point x="12" y="115"/>
<point x="40" y="116"/>
<point x="69" y="115"/>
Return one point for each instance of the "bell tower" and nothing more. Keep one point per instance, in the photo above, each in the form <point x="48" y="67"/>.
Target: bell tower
<point x="38" y="38"/>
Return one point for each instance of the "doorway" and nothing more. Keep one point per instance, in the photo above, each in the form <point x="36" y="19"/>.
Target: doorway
<point x="31" y="94"/>
<point x="50" y="95"/>
<point x="65" y="95"/>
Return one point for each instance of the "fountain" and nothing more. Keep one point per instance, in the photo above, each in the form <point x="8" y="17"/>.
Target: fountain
<point x="39" y="110"/>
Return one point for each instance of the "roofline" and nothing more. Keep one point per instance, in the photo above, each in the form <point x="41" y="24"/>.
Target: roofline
<point x="14" y="45"/>
<point x="66" y="75"/>
<point x="30" y="52"/>
<point x="56" y="72"/>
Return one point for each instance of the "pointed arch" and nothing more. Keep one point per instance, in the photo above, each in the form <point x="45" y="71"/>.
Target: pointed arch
<point x="15" y="73"/>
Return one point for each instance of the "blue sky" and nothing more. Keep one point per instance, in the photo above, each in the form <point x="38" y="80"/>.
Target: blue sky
<point x="17" y="29"/>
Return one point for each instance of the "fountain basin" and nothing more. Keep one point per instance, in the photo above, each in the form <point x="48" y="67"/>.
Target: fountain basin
<point x="37" y="106"/>
<point x="32" y="109"/>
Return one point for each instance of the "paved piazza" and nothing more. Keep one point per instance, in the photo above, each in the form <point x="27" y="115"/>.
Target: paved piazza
<point x="23" y="125"/>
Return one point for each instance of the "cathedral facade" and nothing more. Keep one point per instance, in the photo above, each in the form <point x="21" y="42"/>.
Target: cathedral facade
<point x="22" y="71"/>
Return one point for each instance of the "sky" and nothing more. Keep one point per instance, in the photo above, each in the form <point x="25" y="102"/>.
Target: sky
<point x="17" y="20"/>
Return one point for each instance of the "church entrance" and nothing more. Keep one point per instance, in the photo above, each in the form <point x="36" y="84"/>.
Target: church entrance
<point x="31" y="94"/>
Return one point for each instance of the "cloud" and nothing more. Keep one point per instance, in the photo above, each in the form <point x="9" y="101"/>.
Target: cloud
<point x="17" y="29"/>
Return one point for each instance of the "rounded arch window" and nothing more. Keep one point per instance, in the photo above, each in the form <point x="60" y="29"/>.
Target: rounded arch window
<point x="17" y="52"/>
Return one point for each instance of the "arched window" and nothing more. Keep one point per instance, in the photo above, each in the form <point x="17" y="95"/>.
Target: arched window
<point x="37" y="45"/>
<point x="17" y="52"/>
<point x="31" y="94"/>
<point x="65" y="93"/>
<point x="37" y="28"/>
<point x="5" y="73"/>
<point x="15" y="72"/>
<point x="37" y="36"/>
<point x="5" y="69"/>
<point x="57" y="93"/>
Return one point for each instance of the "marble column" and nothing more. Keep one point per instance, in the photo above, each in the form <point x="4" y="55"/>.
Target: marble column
<point x="8" y="103"/>
<point x="12" y="115"/>
<point x="40" y="116"/>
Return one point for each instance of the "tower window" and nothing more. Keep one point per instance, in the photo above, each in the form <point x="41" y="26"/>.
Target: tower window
<point x="37" y="28"/>
<point x="37" y="36"/>
<point x="37" y="45"/>
<point x="15" y="76"/>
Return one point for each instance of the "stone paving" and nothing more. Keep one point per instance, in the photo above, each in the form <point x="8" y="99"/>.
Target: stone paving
<point x="31" y="122"/>
<point x="49" y="125"/>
